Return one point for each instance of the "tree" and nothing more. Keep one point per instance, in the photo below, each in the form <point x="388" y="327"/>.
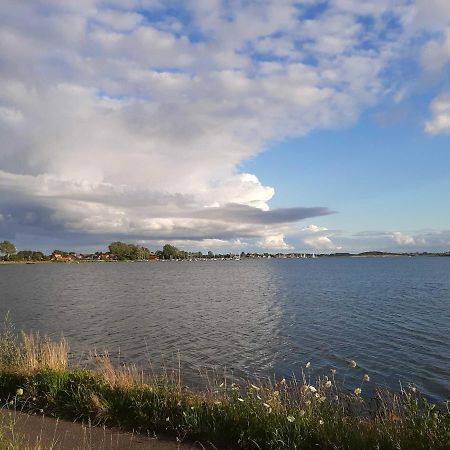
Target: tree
<point x="7" y="248"/>
<point x="171" y="252"/>
<point x="125" y="251"/>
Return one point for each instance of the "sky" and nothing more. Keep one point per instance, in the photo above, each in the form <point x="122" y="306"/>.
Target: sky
<point x="226" y="125"/>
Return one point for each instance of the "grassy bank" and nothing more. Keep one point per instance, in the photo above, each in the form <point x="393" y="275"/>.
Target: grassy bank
<point x="35" y="377"/>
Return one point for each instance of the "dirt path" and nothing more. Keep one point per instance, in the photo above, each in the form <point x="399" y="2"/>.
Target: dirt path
<point x="56" y="434"/>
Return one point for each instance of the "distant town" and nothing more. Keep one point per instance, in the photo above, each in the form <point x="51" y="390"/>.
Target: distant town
<point x="121" y="251"/>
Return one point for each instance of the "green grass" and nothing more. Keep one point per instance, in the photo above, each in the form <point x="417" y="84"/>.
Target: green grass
<point x="284" y="415"/>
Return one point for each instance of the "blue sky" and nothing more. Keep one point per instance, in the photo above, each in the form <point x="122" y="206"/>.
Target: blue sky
<point x="270" y="125"/>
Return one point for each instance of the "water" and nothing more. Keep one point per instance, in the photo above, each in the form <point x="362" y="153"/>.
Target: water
<point x="252" y="317"/>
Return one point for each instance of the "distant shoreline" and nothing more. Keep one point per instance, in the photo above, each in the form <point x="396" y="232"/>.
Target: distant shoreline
<point x="430" y="255"/>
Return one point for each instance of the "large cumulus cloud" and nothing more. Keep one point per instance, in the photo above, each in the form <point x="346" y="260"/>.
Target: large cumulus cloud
<point x="125" y="119"/>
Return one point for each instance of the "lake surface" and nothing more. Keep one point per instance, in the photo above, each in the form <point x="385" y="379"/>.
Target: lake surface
<point x="252" y="317"/>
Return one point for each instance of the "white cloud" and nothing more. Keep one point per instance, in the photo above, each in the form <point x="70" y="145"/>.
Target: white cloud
<point x="403" y="239"/>
<point x="440" y="115"/>
<point x="274" y="242"/>
<point x="318" y="238"/>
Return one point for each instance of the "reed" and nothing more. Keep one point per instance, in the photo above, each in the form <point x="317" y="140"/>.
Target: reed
<point x="295" y="414"/>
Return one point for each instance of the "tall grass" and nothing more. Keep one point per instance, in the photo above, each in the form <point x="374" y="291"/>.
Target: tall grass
<point x="35" y="375"/>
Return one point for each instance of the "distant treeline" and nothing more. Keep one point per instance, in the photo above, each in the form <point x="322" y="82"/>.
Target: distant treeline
<point x="122" y="251"/>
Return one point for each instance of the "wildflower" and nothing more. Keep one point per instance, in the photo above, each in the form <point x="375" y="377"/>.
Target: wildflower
<point x="317" y="395"/>
<point x="167" y="419"/>
<point x="321" y="422"/>
<point x="240" y="399"/>
<point x="308" y="364"/>
<point x="19" y="392"/>
<point x="328" y="384"/>
<point x="366" y="377"/>
<point x="413" y="389"/>
<point x="256" y="388"/>
<point x="283" y="381"/>
<point x="312" y="389"/>
<point x="352" y="364"/>
<point x="333" y="371"/>
<point x="192" y="408"/>
<point x="290" y="418"/>
<point x="322" y="399"/>
<point x="34" y="399"/>
<point x="269" y="408"/>
<point x="336" y="397"/>
<point x="357" y="391"/>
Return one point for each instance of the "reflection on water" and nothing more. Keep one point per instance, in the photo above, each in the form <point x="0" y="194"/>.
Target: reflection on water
<point x="252" y="317"/>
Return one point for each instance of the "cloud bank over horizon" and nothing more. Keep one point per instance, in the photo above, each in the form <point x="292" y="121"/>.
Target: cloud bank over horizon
<point x="133" y="118"/>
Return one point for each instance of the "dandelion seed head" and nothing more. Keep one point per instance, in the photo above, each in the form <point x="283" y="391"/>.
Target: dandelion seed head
<point x="353" y="364"/>
<point x="19" y="392"/>
<point x="366" y="377"/>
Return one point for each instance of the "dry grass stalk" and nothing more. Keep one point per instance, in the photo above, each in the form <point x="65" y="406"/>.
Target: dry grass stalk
<point x="42" y="353"/>
<point x="125" y="376"/>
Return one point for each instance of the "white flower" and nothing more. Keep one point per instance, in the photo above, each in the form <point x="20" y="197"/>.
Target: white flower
<point x="322" y="399"/>
<point x="328" y="384"/>
<point x="240" y="399"/>
<point x="357" y="391"/>
<point x="290" y="418"/>
<point x="321" y="422"/>
<point x="352" y="364"/>
<point x="19" y="392"/>
<point x="256" y="388"/>
<point x="366" y="377"/>
<point x="312" y="389"/>
<point x="308" y="364"/>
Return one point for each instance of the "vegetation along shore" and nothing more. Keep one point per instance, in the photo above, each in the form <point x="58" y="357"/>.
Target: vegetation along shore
<point x="36" y="377"/>
<point x="121" y="251"/>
